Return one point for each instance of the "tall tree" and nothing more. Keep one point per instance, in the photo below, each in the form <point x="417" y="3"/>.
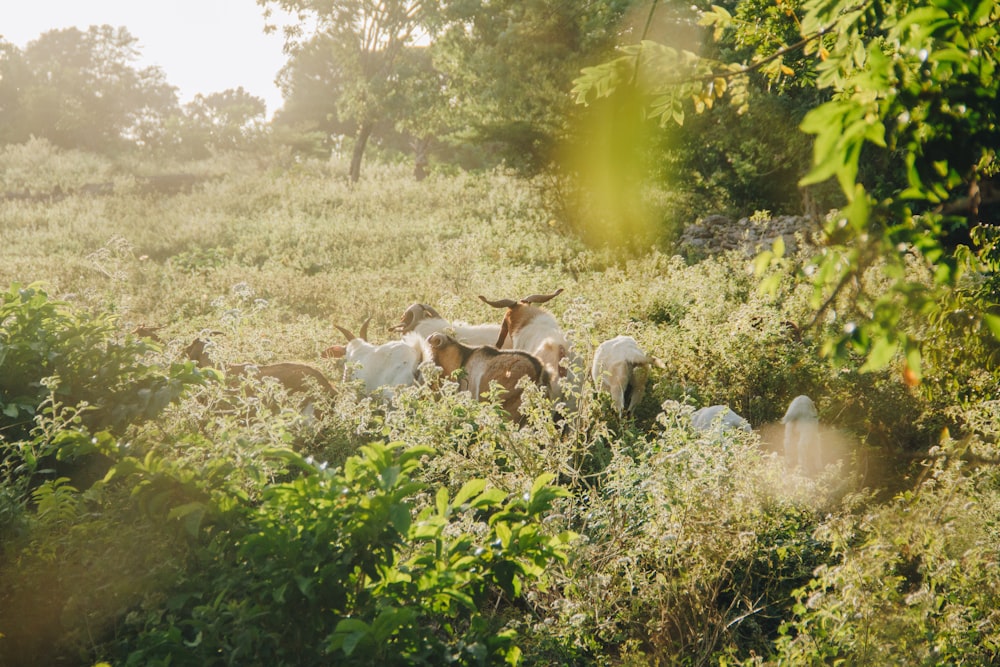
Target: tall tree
<point x="510" y="63"/>
<point x="85" y="90"/>
<point x="366" y="39"/>
<point x="15" y="77"/>
<point x="230" y="120"/>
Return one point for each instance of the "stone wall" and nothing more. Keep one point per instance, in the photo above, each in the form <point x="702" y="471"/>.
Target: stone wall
<point x="718" y="233"/>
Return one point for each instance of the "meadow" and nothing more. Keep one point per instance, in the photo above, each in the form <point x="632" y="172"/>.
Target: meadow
<point x="210" y="528"/>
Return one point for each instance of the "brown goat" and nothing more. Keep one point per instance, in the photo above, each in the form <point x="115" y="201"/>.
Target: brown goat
<point x="520" y="314"/>
<point x="293" y="376"/>
<point x="486" y="364"/>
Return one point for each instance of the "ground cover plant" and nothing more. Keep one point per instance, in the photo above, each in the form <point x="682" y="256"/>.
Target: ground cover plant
<point x="225" y="526"/>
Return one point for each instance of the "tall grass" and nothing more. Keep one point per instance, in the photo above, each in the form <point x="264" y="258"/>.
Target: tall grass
<point x="692" y="549"/>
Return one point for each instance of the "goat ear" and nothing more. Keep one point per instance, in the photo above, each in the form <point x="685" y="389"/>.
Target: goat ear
<point x="334" y="352"/>
<point x="499" y="303"/>
<point x="504" y="330"/>
<point x="541" y="298"/>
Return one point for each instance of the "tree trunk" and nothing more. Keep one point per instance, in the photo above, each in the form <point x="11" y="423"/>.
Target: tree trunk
<point x="364" y="132"/>
<point x="420" y="158"/>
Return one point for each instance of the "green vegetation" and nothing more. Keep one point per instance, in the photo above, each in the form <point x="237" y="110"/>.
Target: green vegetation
<point x="207" y="525"/>
<point x="154" y="512"/>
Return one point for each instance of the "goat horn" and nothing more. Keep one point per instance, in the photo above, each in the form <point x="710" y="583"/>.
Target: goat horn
<point x="363" y="335"/>
<point x="541" y="298"/>
<point x="499" y="303"/>
<point x="347" y="334"/>
<point x="430" y="310"/>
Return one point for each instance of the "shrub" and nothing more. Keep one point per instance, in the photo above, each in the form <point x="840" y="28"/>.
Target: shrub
<point x="911" y="582"/>
<point x="55" y="358"/>
<point x="342" y="567"/>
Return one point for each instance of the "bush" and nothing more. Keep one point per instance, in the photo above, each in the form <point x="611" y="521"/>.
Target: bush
<point x="61" y="361"/>
<point x="344" y="567"/>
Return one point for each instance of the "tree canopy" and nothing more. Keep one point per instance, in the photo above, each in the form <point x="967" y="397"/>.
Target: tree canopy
<point x="909" y="86"/>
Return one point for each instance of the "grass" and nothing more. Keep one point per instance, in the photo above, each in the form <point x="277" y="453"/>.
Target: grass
<point x="691" y="549"/>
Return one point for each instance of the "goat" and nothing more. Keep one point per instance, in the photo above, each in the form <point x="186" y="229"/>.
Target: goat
<point x="385" y="366"/>
<point x="718" y="419"/>
<point x="486" y="364"/>
<point x="534" y="330"/>
<point x="147" y="331"/>
<point x="802" y="445"/>
<point x="295" y="377"/>
<point x="621" y="368"/>
<point x="424" y="320"/>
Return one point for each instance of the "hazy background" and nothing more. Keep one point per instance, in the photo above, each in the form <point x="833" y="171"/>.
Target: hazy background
<point x="203" y="46"/>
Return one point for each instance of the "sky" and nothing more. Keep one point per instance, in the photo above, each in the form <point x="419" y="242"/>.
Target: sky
<point x="203" y="46"/>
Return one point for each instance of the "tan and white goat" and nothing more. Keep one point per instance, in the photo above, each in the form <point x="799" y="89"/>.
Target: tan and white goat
<point x="621" y="368"/>
<point x="532" y="329"/>
<point x="485" y="364"/>
<point x="381" y="367"/>
<point x="425" y="320"/>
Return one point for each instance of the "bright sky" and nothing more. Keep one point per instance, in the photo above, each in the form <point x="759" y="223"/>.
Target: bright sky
<point x="203" y="46"/>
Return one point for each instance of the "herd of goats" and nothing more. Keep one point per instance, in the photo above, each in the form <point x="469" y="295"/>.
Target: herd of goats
<point x="528" y="343"/>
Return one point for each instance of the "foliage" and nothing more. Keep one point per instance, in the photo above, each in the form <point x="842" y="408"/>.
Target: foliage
<point x="690" y="546"/>
<point x="63" y="376"/>
<point x="511" y="63"/>
<point x="82" y="89"/>
<point x="50" y="350"/>
<point x="335" y="566"/>
<point x="368" y="43"/>
<point x="913" y="81"/>
<point x="228" y="121"/>
<point x="39" y="168"/>
<point x="911" y="582"/>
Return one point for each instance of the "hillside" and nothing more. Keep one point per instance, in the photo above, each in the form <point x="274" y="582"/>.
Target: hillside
<point x="228" y="530"/>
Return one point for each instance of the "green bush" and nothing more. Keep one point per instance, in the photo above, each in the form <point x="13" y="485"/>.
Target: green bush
<point x="57" y="360"/>
<point x="911" y="582"/>
<point x="343" y="567"/>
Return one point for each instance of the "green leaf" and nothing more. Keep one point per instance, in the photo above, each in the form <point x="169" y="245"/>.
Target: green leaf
<point x="441" y="501"/>
<point x="880" y="355"/>
<point x="778" y="247"/>
<point x="488" y="498"/>
<point x="993" y="322"/>
<point x="190" y="515"/>
<point x="471" y="488"/>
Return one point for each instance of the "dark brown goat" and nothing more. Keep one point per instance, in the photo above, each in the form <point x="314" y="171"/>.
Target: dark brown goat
<point x="486" y="364"/>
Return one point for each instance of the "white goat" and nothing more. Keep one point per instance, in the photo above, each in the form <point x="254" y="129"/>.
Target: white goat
<point x="424" y="320"/>
<point x="534" y="330"/>
<point x="486" y="364"/>
<point x="802" y="444"/>
<point x="621" y="368"/>
<point x="718" y="419"/>
<point x="380" y="367"/>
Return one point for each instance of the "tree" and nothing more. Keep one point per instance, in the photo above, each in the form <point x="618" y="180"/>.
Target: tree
<point x="510" y="63"/>
<point x="82" y="90"/>
<point x="908" y="83"/>
<point x="226" y="121"/>
<point x="366" y="41"/>
<point x="15" y="76"/>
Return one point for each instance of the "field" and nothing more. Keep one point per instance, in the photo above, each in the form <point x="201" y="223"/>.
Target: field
<point x="231" y="532"/>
